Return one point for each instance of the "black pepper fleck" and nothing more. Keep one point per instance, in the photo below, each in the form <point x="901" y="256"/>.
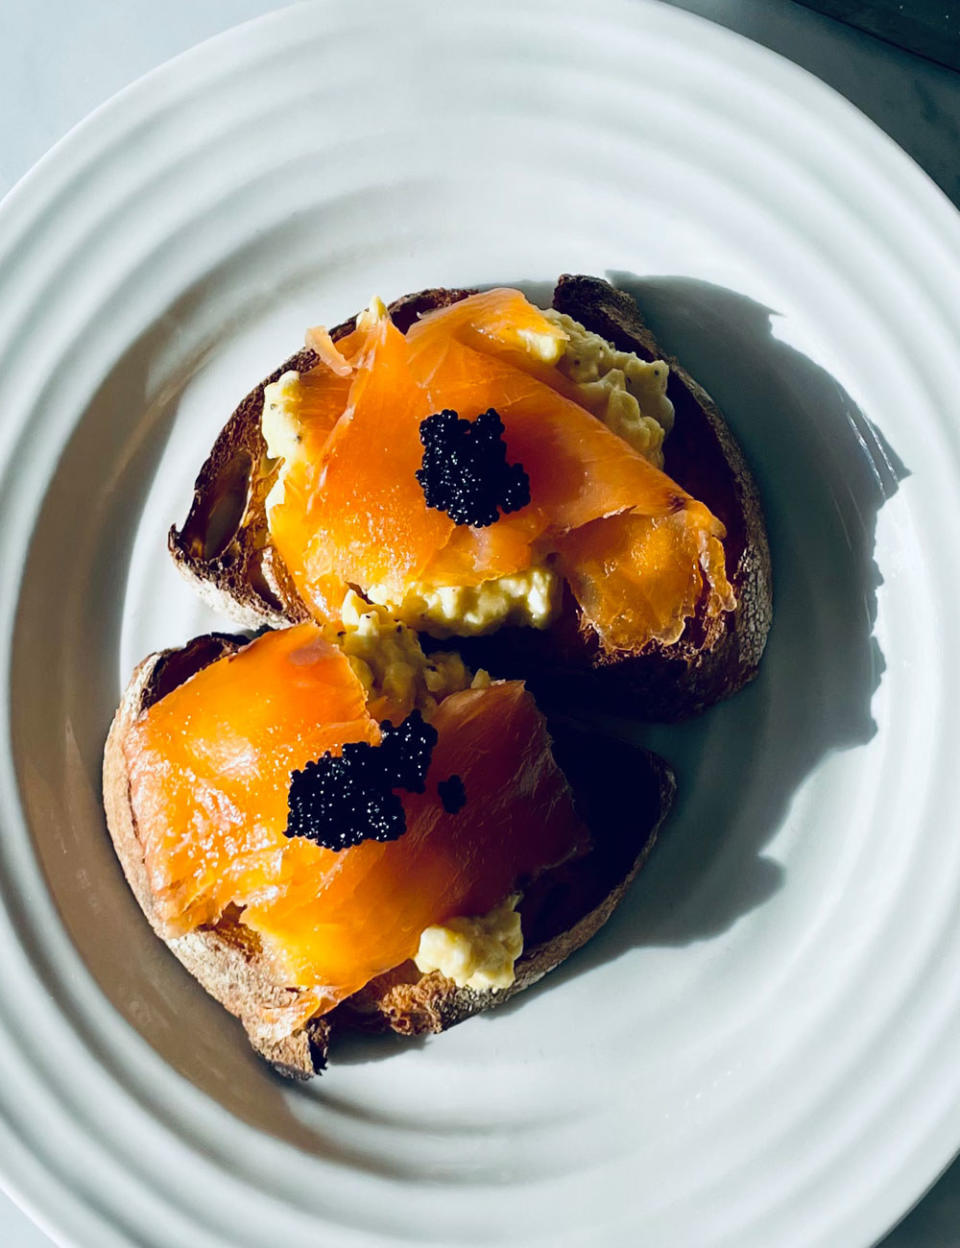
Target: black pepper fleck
<point x="464" y="471"/>
<point x="452" y="794"/>
<point x="340" y="800"/>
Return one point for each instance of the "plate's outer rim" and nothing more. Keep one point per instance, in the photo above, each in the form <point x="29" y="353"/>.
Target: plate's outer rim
<point x="138" y="92"/>
<point x="58" y="1211"/>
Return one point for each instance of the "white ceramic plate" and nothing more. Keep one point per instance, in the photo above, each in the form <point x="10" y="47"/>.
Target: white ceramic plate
<point x="760" y="1049"/>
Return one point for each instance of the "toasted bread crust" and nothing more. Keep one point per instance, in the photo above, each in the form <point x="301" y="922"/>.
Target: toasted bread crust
<point x="559" y="911"/>
<point x="226" y="550"/>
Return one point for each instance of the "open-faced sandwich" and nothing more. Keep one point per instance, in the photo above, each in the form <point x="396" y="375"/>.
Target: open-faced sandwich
<point x="543" y="484"/>
<point x="329" y="827"/>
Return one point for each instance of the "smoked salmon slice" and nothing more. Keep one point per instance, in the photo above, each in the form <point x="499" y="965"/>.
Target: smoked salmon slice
<point x="207" y="766"/>
<point x="360" y="518"/>
<point x="643" y="576"/>
<point x="210" y="773"/>
<point x="367" y="522"/>
<point x="346" y="921"/>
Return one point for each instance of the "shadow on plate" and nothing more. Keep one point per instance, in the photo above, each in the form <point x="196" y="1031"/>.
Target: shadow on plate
<point x="824" y="472"/>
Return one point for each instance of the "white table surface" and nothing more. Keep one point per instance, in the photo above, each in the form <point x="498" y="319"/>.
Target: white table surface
<point x="61" y="58"/>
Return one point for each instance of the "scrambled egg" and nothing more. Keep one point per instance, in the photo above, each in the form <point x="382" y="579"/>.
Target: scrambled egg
<point x="389" y="660"/>
<point x="280" y="425"/>
<point x="530" y="598"/>
<point x="628" y="394"/>
<point x="375" y="311"/>
<point x="475" y="952"/>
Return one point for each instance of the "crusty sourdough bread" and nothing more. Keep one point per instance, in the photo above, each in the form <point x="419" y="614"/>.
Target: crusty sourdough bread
<point x="224" y="544"/>
<point x="622" y="792"/>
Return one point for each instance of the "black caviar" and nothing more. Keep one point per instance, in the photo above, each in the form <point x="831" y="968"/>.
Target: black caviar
<point x="465" y="471"/>
<point x="404" y="752"/>
<point x="453" y="795"/>
<point x="340" y="800"/>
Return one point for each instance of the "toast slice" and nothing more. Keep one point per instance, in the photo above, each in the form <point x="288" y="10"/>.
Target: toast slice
<point x="224" y="545"/>
<point x="623" y="794"/>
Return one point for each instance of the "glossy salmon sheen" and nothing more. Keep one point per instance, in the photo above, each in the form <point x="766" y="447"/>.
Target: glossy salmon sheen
<point x="357" y="516"/>
<point x="210" y="768"/>
<point x="364" y="913"/>
<point x="210" y="764"/>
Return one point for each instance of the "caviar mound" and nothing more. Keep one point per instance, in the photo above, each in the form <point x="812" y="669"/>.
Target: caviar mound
<point x="211" y="766"/>
<point x="453" y="794"/>
<point x="339" y="800"/>
<point x="464" y="471"/>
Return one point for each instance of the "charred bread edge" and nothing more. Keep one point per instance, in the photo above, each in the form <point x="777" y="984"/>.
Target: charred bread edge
<point x="227" y="961"/>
